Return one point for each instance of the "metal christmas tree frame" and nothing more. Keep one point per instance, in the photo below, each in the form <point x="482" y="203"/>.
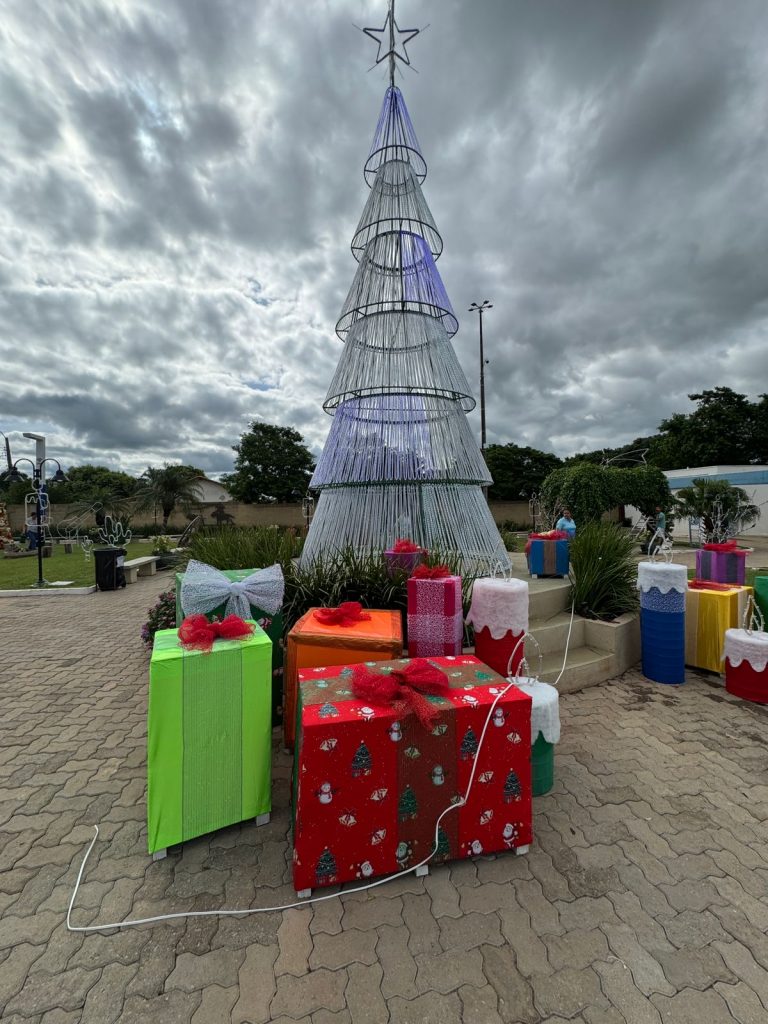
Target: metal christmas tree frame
<point x="400" y="459"/>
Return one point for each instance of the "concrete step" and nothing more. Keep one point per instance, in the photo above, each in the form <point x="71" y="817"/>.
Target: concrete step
<point x="585" y="667"/>
<point x="552" y="633"/>
<point x="547" y="598"/>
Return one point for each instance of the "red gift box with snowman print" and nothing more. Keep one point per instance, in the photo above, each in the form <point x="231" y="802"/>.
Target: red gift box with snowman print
<point x="371" y="780"/>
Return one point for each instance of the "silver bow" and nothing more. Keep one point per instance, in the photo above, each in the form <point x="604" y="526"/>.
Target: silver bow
<point x="204" y="588"/>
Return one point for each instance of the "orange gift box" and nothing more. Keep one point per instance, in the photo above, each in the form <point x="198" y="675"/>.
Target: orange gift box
<point x="311" y="644"/>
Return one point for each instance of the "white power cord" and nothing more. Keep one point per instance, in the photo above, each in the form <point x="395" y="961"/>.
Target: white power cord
<point x="312" y="899"/>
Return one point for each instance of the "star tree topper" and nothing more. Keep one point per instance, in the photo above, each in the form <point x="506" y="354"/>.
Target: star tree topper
<point x="391" y="40"/>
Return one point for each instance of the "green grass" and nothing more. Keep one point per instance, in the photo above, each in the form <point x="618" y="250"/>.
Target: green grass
<point x="20" y="573"/>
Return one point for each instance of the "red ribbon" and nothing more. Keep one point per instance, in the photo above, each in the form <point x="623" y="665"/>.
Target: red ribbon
<point x="550" y="535"/>
<point x="196" y="633"/>
<point x="430" y="572"/>
<point x="727" y="546"/>
<point x="346" y="614"/>
<point x="709" y="585"/>
<point x="405" y="546"/>
<point x="403" y="689"/>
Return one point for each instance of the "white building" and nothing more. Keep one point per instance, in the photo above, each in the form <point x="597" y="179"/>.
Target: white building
<point x="211" y="490"/>
<point x="752" y="479"/>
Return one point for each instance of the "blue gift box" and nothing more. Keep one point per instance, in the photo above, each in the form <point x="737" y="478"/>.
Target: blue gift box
<point x="548" y="558"/>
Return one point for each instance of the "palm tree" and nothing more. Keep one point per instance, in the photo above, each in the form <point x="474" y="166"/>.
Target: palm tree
<point x="724" y="510"/>
<point x="166" y="488"/>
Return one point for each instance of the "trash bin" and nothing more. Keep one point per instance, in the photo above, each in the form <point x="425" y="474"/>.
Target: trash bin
<point x="109" y="568"/>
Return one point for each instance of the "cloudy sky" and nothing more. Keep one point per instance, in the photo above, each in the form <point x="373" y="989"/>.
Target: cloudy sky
<point x="180" y="181"/>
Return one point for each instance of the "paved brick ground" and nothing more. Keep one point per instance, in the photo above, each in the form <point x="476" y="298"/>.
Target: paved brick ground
<point x="644" y="899"/>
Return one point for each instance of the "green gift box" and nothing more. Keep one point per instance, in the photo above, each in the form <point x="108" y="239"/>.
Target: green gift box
<point x="209" y="736"/>
<point x="273" y="626"/>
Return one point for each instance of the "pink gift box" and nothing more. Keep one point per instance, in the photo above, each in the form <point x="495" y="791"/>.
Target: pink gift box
<point x="407" y="560"/>
<point x="435" y="617"/>
<point x="721" y="566"/>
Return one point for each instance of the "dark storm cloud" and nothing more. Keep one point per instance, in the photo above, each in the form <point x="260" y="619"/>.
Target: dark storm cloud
<point x="597" y="169"/>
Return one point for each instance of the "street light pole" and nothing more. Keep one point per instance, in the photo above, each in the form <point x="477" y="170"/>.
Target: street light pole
<point x="480" y="309"/>
<point x="37" y="483"/>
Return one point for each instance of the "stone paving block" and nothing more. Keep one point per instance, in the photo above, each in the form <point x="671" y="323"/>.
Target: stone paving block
<point x="443" y="893"/>
<point x="648" y="930"/>
<point x="567" y="992"/>
<point x="295" y="942"/>
<point x="219" y="967"/>
<point x="742" y="1002"/>
<point x="397" y="963"/>
<point x="513" y="990"/>
<point x="423" y="929"/>
<point x="647" y="973"/>
<point x="257" y="985"/>
<point x="695" y="968"/>
<point x="326" y="916"/>
<point x="427" y="1009"/>
<point x="754" y="881"/>
<point x="576" y="949"/>
<point x="618" y="985"/>
<point x="692" y="1007"/>
<point x="216" y="1005"/>
<point x="328" y="1017"/>
<point x="544" y="916"/>
<point x="300" y="997"/>
<point x="42" y="991"/>
<point x="585" y="913"/>
<point x="480" y="1004"/>
<point x="530" y="952"/>
<point x="104" y="1002"/>
<point x="653" y="899"/>
<point x="693" y="866"/>
<point x="174" y="1007"/>
<point x="14" y="970"/>
<point x="470" y="931"/>
<point x="553" y="883"/>
<point x="363" y="995"/>
<point x="731" y="892"/>
<point x="373" y="912"/>
<point x="740" y="960"/>
<point x="334" y="951"/>
<point x="445" y="972"/>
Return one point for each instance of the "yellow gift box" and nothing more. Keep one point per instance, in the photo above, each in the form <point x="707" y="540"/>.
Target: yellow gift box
<point x="708" y="613"/>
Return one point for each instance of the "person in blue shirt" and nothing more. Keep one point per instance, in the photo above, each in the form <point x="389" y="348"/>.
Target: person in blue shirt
<point x="566" y="524"/>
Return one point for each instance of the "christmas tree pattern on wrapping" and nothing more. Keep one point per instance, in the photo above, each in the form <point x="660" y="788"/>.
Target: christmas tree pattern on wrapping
<point x="361" y="762"/>
<point x="443" y="849"/>
<point x="513" y="791"/>
<point x="401" y="458"/>
<point x="328" y="711"/>
<point x="407" y="806"/>
<point x="468" y="745"/>
<point x="325" y="869"/>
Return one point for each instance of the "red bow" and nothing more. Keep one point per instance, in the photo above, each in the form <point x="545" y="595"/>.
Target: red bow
<point x="405" y="547"/>
<point x="430" y="572"/>
<point x="728" y="545"/>
<point x="347" y="614"/>
<point x="402" y="689"/>
<point x="550" y="535"/>
<point x="709" y="585"/>
<point x="198" y="634"/>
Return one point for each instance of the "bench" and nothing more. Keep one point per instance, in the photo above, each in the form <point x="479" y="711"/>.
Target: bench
<point x="146" y="566"/>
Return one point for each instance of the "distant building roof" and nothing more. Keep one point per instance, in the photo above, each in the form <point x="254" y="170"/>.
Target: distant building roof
<point x="739" y="476"/>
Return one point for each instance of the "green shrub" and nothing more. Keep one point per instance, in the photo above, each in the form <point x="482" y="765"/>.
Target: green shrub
<point x="162" y="615"/>
<point x="603" y="572"/>
<point x="589" y="490"/>
<point x="247" y="547"/>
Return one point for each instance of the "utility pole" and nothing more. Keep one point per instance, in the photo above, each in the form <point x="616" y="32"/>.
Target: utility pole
<point x="480" y="309"/>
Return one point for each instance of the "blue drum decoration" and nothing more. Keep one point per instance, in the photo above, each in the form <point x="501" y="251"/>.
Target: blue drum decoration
<point x="662" y="588"/>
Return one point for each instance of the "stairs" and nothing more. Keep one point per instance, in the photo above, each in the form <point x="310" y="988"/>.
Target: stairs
<point x="597" y="652"/>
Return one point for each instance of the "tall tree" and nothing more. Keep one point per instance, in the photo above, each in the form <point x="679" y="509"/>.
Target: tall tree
<point x="724" y="511"/>
<point x="168" y="488"/>
<point x="271" y="464"/>
<point x="517" y="472"/>
<point x="721" y="430"/>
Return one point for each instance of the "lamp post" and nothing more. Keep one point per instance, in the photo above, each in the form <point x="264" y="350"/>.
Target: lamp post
<point x="480" y="309"/>
<point x="58" y="478"/>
